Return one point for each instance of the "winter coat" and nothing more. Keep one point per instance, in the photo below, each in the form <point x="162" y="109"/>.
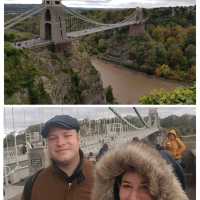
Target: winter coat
<point x="163" y="184"/>
<point x="53" y="184"/>
<point x="177" y="168"/>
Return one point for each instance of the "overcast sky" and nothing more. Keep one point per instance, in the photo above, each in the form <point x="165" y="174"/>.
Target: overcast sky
<point x="114" y="3"/>
<point x="23" y="117"/>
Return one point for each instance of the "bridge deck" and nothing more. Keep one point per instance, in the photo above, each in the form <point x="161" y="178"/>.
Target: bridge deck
<point x="42" y="43"/>
<point x="100" y="28"/>
<point x="28" y="44"/>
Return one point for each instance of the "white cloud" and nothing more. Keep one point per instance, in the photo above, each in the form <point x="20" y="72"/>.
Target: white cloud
<point x="115" y="3"/>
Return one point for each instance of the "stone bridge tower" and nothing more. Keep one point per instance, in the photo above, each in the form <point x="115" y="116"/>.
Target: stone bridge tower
<point x="154" y="119"/>
<point x="53" y="26"/>
<point x="139" y="28"/>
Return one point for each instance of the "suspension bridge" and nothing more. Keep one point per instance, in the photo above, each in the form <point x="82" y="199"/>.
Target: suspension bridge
<point x="94" y="133"/>
<point x="116" y="130"/>
<point x="60" y="24"/>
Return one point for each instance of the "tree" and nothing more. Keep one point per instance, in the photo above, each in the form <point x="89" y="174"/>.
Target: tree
<point x="175" y="56"/>
<point x="170" y="41"/>
<point x="109" y="95"/>
<point x="158" y="34"/>
<point x="161" y="53"/>
<point x="191" y="35"/>
<point x="163" y="70"/>
<point x="190" y="53"/>
<point x="10" y="37"/>
<point x="102" y="45"/>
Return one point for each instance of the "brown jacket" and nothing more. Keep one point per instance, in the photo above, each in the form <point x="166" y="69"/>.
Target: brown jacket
<point x="51" y="184"/>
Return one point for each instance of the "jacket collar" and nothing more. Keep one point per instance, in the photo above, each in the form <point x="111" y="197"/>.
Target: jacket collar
<point x="77" y="175"/>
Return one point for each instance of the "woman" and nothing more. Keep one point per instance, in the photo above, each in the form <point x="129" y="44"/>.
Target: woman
<point x="135" y="172"/>
<point x="174" y="145"/>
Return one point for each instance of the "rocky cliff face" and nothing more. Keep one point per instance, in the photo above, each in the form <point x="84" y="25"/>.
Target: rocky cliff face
<point x="62" y="78"/>
<point x="73" y="80"/>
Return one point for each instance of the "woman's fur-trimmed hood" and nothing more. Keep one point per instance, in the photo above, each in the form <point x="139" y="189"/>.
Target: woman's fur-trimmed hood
<point x="163" y="184"/>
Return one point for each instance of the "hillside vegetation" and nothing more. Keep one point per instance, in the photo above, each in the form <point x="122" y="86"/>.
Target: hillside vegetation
<point x="166" y="49"/>
<point x="47" y="77"/>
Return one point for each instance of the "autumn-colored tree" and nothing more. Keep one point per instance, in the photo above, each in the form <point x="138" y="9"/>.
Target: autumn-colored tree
<point x="163" y="70"/>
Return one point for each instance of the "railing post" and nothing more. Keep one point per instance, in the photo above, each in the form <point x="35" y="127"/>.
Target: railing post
<point x="38" y="159"/>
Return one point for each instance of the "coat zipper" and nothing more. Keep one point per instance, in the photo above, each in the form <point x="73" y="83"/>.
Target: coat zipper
<point x="69" y="186"/>
<point x="67" y="189"/>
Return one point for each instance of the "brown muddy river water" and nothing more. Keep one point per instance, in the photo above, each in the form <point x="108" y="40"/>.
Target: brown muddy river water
<point x="128" y="85"/>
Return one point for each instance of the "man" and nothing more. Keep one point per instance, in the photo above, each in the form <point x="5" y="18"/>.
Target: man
<point x="70" y="176"/>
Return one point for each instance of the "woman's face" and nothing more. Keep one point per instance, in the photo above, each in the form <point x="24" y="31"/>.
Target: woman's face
<point x="171" y="136"/>
<point x="134" y="187"/>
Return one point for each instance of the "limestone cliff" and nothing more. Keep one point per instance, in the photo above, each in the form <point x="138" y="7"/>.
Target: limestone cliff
<point x="59" y="78"/>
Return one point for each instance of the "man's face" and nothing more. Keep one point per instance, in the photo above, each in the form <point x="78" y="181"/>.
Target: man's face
<point x="63" y="145"/>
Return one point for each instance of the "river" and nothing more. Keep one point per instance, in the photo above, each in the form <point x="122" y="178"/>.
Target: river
<point x="129" y="85"/>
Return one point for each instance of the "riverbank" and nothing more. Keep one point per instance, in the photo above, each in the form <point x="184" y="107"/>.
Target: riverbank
<point x="129" y="85"/>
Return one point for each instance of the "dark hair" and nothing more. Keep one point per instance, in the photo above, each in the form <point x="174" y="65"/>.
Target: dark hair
<point x="117" y="183"/>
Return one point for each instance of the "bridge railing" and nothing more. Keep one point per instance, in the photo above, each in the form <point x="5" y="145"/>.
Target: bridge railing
<point x="15" y="175"/>
<point x="14" y="159"/>
<point x="95" y="142"/>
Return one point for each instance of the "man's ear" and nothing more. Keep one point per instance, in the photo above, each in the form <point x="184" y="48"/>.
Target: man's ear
<point x="78" y="136"/>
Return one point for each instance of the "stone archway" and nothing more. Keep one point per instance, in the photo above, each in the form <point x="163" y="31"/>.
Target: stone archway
<point x="48" y="33"/>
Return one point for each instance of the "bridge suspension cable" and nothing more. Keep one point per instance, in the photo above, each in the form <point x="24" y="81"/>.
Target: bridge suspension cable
<point x="23" y="18"/>
<point x="19" y="16"/>
<point x="138" y="114"/>
<point x="82" y="17"/>
<point x="133" y="16"/>
<point x="15" y="138"/>
<point x="131" y="19"/>
<point x="124" y="120"/>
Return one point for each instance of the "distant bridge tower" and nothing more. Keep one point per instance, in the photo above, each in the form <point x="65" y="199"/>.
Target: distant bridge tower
<point x="173" y="12"/>
<point x="154" y="118"/>
<point x="139" y="28"/>
<point x="53" y="26"/>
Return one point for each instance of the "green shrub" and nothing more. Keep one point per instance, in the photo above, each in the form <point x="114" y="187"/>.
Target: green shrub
<point x="178" y="96"/>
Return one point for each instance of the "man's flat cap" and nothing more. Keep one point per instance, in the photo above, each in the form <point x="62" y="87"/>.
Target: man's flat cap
<point x="60" y="121"/>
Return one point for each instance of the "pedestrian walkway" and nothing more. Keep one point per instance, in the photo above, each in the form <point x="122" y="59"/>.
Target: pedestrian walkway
<point x="13" y="192"/>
